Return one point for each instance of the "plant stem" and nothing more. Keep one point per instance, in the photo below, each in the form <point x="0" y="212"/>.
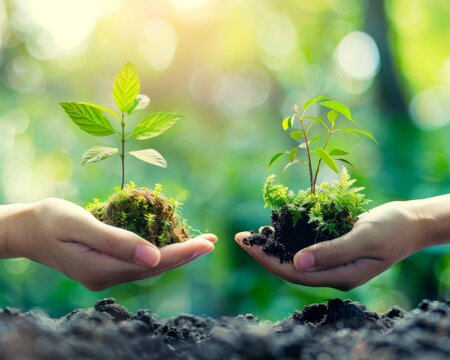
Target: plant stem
<point x="300" y="118"/>
<point x="122" y="154"/>
<point x="320" y="160"/>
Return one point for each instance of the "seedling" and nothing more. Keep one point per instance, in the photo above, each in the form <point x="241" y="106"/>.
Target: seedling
<point x="322" y="212"/>
<point x="328" y="157"/>
<point x="144" y="211"/>
<point x="92" y="118"/>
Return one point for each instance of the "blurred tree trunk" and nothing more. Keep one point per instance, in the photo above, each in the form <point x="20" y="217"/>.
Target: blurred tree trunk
<point x="399" y="150"/>
<point x="390" y="92"/>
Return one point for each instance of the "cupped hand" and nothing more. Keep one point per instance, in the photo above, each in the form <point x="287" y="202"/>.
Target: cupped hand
<point x="380" y="238"/>
<point x="68" y="238"/>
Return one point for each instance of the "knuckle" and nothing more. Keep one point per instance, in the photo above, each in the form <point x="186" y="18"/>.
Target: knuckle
<point x="332" y="253"/>
<point x="112" y="243"/>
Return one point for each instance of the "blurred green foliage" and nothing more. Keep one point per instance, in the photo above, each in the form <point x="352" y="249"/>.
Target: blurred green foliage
<point x="234" y="70"/>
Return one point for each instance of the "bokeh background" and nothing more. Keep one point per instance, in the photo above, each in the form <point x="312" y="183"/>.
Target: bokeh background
<point x="234" y="69"/>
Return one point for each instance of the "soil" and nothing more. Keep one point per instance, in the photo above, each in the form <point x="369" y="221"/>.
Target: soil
<point x="286" y="237"/>
<point x="341" y="329"/>
<point x="146" y="212"/>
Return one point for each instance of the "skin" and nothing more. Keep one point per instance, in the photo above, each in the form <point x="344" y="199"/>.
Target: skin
<point x="380" y="238"/>
<point x="64" y="236"/>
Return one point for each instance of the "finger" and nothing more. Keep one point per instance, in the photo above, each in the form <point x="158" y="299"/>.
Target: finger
<point x="208" y="236"/>
<point x="343" y="277"/>
<point x="100" y="271"/>
<point x="115" y="242"/>
<point x="333" y="253"/>
<point x="176" y="255"/>
<point x="239" y="237"/>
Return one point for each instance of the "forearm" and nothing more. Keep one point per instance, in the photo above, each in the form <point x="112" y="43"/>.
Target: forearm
<point x="434" y="216"/>
<point x="13" y="228"/>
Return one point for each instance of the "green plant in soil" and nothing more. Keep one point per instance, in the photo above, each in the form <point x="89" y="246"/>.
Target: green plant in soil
<point x="141" y="210"/>
<point x="324" y="211"/>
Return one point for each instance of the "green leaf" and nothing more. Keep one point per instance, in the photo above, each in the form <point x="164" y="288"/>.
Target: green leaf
<point x="315" y="119"/>
<point x="362" y="132"/>
<point x="101" y="108"/>
<point x="98" y="153"/>
<point x="290" y="164"/>
<point x="339" y="107"/>
<point x="332" y="115"/>
<point x="338" y="152"/>
<point x="327" y="159"/>
<point x="313" y="140"/>
<point x="293" y="153"/>
<point x="293" y="120"/>
<point x="89" y="118"/>
<point x="126" y="87"/>
<point x="155" y="124"/>
<point x="296" y="134"/>
<point x="312" y="101"/>
<point x="286" y="123"/>
<point x="296" y="161"/>
<point x="150" y="156"/>
<point x="140" y="103"/>
<point x="276" y="157"/>
<point x="351" y="132"/>
<point x="345" y="161"/>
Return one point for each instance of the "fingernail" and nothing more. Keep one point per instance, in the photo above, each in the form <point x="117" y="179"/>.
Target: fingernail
<point x="146" y="255"/>
<point x="304" y="261"/>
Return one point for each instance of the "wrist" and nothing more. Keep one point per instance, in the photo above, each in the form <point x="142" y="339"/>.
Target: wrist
<point x="14" y="227"/>
<point x="433" y="215"/>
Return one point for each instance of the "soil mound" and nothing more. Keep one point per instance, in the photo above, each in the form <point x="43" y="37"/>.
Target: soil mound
<point x="146" y="212"/>
<point x="341" y="329"/>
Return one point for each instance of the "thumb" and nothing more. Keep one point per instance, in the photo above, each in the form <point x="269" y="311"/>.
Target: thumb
<point x="329" y="254"/>
<point x="119" y="243"/>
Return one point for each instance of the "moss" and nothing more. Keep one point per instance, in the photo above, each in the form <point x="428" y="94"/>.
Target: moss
<point x="146" y="212"/>
<point x="333" y="209"/>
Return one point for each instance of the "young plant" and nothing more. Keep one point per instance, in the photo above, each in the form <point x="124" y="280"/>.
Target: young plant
<point x="302" y="133"/>
<point x="144" y="211"/>
<point x="325" y="211"/>
<point x="93" y="119"/>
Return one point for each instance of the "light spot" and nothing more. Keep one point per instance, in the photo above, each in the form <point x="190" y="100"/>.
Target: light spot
<point x="406" y="13"/>
<point x="430" y="109"/>
<point x="24" y="75"/>
<point x="244" y="90"/>
<point x="277" y="35"/>
<point x="59" y="26"/>
<point x="446" y="71"/>
<point x="16" y="266"/>
<point x="188" y="4"/>
<point x="17" y="120"/>
<point x="204" y="84"/>
<point x="158" y="43"/>
<point x="357" y="56"/>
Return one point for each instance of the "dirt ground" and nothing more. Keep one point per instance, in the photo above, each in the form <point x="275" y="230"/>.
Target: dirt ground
<point x="340" y="329"/>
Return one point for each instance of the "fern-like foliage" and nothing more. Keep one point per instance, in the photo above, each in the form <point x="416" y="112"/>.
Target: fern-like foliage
<point x="333" y="209"/>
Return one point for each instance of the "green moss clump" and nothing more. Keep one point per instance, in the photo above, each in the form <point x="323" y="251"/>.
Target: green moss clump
<point x="146" y="212"/>
<point x="332" y="210"/>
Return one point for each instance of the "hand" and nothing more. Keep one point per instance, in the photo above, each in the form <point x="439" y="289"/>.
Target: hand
<point x="68" y="238"/>
<point x="380" y="238"/>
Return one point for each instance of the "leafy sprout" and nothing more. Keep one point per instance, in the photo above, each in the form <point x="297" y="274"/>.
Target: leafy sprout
<point x="300" y="124"/>
<point x="93" y="119"/>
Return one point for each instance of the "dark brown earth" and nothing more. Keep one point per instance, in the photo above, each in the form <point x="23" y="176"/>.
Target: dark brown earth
<point x="341" y="329"/>
<point x="286" y="238"/>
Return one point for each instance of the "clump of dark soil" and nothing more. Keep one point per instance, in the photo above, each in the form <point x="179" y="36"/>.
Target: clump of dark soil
<point x="146" y="212"/>
<point x="341" y="329"/>
<point x="286" y="237"/>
